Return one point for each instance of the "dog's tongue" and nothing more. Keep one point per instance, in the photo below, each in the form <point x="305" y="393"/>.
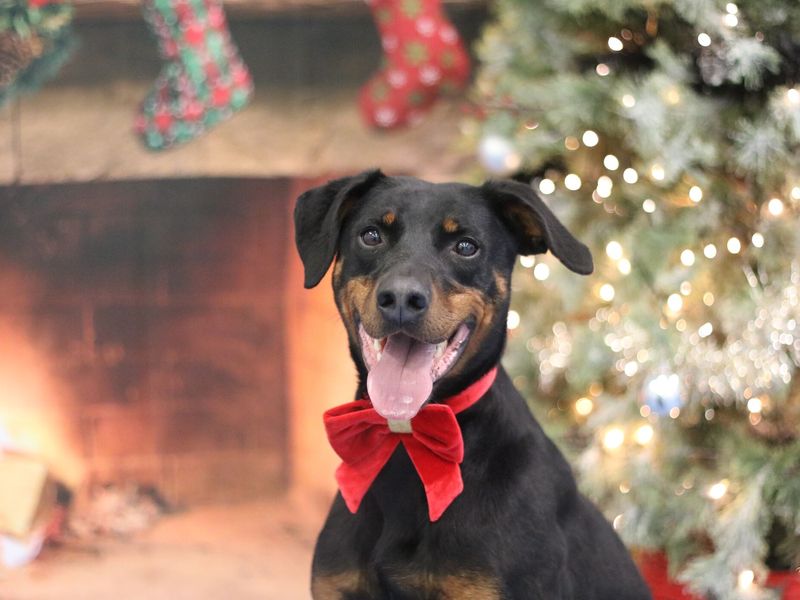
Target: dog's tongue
<point x="401" y="382"/>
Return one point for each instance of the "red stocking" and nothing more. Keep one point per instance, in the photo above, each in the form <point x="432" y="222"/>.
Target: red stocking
<point x="424" y="58"/>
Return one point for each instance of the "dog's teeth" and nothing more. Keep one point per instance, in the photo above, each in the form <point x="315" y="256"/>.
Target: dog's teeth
<point x="376" y="343"/>
<point x="440" y="348"/>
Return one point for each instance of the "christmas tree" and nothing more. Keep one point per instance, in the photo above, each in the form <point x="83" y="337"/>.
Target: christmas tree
<point x="666" y="134"/>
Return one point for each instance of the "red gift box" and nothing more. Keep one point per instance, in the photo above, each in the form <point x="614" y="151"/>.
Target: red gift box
<point x="653" y="566"/>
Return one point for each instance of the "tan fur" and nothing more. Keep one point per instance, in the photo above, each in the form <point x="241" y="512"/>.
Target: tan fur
<point x="502" y="285"/>
<point x="333" y="587"/>
<point x="389" y="218"/>
<point x="468" y="587"/>
<point x="523" y="216"/>
<point x="337" y="270"/>
<point x="450" y="225"/>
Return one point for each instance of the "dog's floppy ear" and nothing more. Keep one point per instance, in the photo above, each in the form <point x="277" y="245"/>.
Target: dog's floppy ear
<point x="318" y="215"/>
<point x="535" y="227"/>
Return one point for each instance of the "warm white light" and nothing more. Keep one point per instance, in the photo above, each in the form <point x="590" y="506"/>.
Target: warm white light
<point x="607" y="292"/>
<point x="572" y="182"/>
<point x="708" y="299"/>
<point x="624" y="266"/>
<point x="643" y="435"/>
<point x="687" y="258"/>
<point x="758" y="240"/>
<point x="630" y="175"/>
<point x="718" y="490"/>
<point x="512" y="321"/>
<point x="602" y="69"/>
<point x="617" y="522"/>
<point x="628" y="101"/>
<point x="731" y="8"/>
<point x="590" y="138"/>
<point x="730" y="20"/>
<point x="793" y="96"/>
<point x="584" y="406"/>
<point x="734" y="245"/>
<point x="613" y="438"/>
<point x="604" y="186"/>
<point x="631" y="368"/>
<point x="695" y="194"/>
<point x="541" y="272"/>
<point x="754" y="405"/>
<point x="705" y="330"/>
<point x="775" y="207"/>
<point x="674" y="412"/>
<point x="649" y="206"/>
<point x="546" y="186"/>
<point x="611" y="162"/>
<point x="615" y="44"/>
<point x="704" y="39"/>
<point x="796" y="193"/>
<point x="527" y="261"/>
<point x="746" y="579"/>
<point x="674" y="303"/>
<point x="614" y="250"/>
<point x="710" y="251"/>
<point x="657" y="172"/>
<point x="686" y="288"/>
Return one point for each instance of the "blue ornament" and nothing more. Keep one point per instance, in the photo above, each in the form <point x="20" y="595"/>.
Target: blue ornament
<point x="662" y="394"/>
<point x="498" y="155"/>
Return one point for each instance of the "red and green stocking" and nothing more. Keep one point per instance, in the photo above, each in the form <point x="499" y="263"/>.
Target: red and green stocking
<point x="424" y="58"/>
<point x="203" y="81"/>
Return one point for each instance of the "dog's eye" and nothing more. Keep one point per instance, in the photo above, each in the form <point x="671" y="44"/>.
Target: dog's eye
<point x="466" y="247"/>
<point x="371" y="236"/>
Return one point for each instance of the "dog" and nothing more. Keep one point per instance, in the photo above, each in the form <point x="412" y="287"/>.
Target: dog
<point x="421" y="279"/>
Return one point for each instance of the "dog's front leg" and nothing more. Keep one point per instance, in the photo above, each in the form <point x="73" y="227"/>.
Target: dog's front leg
<point x="339" y="572"/>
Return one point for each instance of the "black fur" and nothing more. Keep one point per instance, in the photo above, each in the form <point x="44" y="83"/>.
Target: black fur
<point x="520" y="523"/>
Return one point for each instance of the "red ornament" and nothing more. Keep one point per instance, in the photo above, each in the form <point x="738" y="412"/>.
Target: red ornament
<point x="163" y="120"/>
<point x="195" y="34"/>
<point x="221" y="96"/>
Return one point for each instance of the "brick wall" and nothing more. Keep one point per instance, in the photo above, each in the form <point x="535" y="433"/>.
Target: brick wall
<point x="158" y="308"/>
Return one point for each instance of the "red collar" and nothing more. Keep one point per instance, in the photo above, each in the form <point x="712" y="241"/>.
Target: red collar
<point x="364" y="441"/>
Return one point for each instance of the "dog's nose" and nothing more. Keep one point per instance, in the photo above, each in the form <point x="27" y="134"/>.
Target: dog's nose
<point x="403" y="300"/>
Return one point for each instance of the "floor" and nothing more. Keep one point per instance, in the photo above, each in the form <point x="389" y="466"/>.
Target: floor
<point x="250" y="551"/>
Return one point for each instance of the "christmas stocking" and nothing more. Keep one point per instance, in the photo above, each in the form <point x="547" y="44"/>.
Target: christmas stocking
<point x="204" y="80"/>
<point x="424" y="58"/>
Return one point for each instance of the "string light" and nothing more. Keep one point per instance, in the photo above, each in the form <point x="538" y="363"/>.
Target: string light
<point x="613" y="438"/>
<point x="793" y="96"/>
<point x="704" y="39"/>
<point x="614" y="250"/>
<point x="611" y="162"/>
<point x="541" y="272"/>
<point x="775" y="207"/>
<point x="796" y="193"/>
<point x="755" y="405"/>
<point x="734" y="245"/>
<point x="674" y="303"/>
<point x="746" y="579"/>
<point x="687" y="258"/>
<point x="590" y="138"/>
<point x="617" y="522"/>
<point x="624" y="266"/>
<point x="607" y="292"/>
<point x="705" y="330"/>
<point x="718" y="490"/>
<point x="615" y="44"/>
<point x="758" y="240"/>
<point x="630" y="175"/>
<point x="527" y="261"/>
<point x="547" y="186"/>
<point x="584" y="406"/>
<point x="571" y="143"/>
<point x="731" y="8"/>
<point x="602" y="69"/>
<point x="643" y="435"/>
<point x="730" y="20"/>
<point x="686" y="288"/>
<point x="673" y="95"/>
<point x="710" y="251"/>
<point x="708" y="299"/>
<point x="674" y="412"/>
<point x="512" y="320"/>
<point x="572" y="182"/>
<point x="657" y="172"/>
<point x="604" y="186"/>
<point x="628" y="101"/>
<point x="649" y="206"/>
<point x="695" y="194"/>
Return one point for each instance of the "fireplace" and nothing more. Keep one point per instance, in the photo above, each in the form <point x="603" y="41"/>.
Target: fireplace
<point x="143" y="334"/>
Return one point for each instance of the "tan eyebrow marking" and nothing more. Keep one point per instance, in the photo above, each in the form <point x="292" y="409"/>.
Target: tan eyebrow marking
<point x="450" y="225"/>
<point x="389" y="218"/>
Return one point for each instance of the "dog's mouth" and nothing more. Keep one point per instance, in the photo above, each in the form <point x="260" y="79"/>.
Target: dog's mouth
<point x="402" y="369"/>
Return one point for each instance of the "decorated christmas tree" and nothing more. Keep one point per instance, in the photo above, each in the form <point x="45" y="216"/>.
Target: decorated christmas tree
<point x="666" y="134"/>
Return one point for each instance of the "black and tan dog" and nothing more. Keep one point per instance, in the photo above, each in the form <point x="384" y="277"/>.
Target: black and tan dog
<point x="421" y="279"/>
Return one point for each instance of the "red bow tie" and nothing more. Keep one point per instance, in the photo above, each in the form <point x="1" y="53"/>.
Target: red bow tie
<point x="364" y="441"/>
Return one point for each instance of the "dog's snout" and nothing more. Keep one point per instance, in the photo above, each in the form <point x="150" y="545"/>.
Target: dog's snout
<point x="403" y="300"/>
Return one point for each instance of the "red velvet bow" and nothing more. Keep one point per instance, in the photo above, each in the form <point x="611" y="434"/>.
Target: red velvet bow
<point x="364" y="442"/>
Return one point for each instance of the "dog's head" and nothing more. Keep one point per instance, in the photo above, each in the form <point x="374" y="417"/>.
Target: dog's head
<point x="422" y="275"/>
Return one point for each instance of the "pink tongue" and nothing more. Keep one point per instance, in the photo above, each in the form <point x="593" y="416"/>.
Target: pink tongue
<point x="401" y="382"/>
